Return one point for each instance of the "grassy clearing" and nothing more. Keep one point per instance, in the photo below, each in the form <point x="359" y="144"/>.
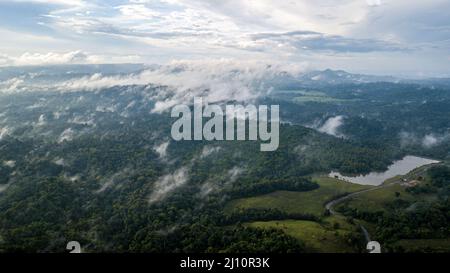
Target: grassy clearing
<point x="377" y="200"/>
<point x="311" y="202"/>
<point x="324" y="238"/>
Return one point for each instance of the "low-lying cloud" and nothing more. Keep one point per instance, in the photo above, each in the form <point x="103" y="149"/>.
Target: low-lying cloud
<point x="331" y="126"/>
<point x="427" y="141"/>
<point x="214" y="80"/>
<point x="168" y="183"/>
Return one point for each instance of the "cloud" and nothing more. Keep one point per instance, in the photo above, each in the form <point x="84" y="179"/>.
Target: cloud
<point x="208" y="150"/>
<point x="331" y="126"/>
<point x="11" y="85"/>
<point x="168" y="183"/>
<point x="51" y="58"/>
<point x="9" y="163"/>
<point x="362" y="35"/>
<point x="4" y="131"/>
<point x="427" y="141"/>
<point x="432" y="140"/>
<point x="407" y="139"/>
<point x="65" y="58"/>
<point x="215" y="80"/>
<point x="120" y="176"/>
<point x="66" y="135"/>
<point x="5" y="60"/>
<point x="55" y="2"/>
<point x="217" y="184"/>
<point x="161" y="149"/>
<point x="309" y="40"/>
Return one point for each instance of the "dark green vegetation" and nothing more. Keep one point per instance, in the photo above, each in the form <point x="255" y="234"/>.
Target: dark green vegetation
<point x="412" y="216"/>
<point x="100" y="168"/>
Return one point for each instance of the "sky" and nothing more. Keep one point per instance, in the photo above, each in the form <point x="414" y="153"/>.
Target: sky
<point x="395" y="37"/>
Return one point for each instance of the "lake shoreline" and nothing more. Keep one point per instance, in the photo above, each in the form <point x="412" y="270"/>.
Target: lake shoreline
<point x="398" y="167"/>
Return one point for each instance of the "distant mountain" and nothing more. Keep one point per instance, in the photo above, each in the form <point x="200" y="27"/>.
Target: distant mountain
<point x="67" y="71"/>
<point x="32" y="75"/>
<point x="329" y="77"/>
<point x="341" y="77"/>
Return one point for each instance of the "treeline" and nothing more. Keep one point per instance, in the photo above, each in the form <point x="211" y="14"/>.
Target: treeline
<point x="200" y="238"/>
<point x="253" y="214"/>
<point x="248" y="187"/>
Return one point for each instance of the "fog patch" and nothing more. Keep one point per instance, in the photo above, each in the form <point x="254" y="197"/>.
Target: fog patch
<point x="82" y="121"/>
<point x="11" y="85"/>
<point x="4" y="131"/>
<point x="161" y="149"/>
<point x="234" y="173"/>
<point x="9" y="163"/>
<point x="72" y="178"/>
<point x="427" y="141"/>
<point x="41" y="121"/>
<point x="3" y="187"/>
<point x="215" y="80"/>
<point x="67" y="135"/>
<point x="408" y="139"/>
<point x="206" y="189"/>
<point x="112" y="180"/>
<point x="208" y="150"/>
<point x="168" y="183"/>
<point x="221" y="182"/>
<point x="331" y="126"/>
<point x="59" y="161"/>
<point x="432" y="140"/>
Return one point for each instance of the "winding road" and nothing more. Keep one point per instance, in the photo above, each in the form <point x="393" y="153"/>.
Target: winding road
<point x="329" y="206"/>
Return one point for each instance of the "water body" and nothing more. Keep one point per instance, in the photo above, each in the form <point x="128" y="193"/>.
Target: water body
<point x="400" y="167"/>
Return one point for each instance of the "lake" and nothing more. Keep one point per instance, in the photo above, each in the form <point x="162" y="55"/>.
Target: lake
<point x="400" y="167"/>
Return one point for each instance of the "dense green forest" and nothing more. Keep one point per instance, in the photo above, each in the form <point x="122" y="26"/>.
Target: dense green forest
<point x="100" y="168"/>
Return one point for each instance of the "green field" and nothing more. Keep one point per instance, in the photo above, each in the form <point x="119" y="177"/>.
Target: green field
<point x="311" y="202"/>
<point x="377" y="200"/>
<point x="328" y="236"/>
<point x="317" y="237"/>
<point x="304" y="96"/>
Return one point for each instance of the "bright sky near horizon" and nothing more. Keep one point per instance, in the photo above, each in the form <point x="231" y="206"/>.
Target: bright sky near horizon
<point x="399" y="37"/>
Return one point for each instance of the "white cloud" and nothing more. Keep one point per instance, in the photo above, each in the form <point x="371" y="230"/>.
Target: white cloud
<point x="215" y="80"/>
<point x="9" y="163"/>
<point x="167" y="184"/>
<point x="51" y="58"/>
<point x="41" y="121"/>
<point x="59" y="161"/>
<point x="4" y="131"/>
<point x="66" y="135"/>
<point x="331" y="126"/>
<point x="350" y="34"/>
<point x="429" y="141"/>
<point x="11" y="85"/>
<point x="5" y="60"/>
<point x="55" y="2"/>
<point x="70" y="57"/>
<point x="432" y="140"/>
<point x="161" y="149"/>
<point x="208" y="150"/>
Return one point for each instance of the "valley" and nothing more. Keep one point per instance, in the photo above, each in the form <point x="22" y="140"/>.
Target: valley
<point x="98" y="165"/>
